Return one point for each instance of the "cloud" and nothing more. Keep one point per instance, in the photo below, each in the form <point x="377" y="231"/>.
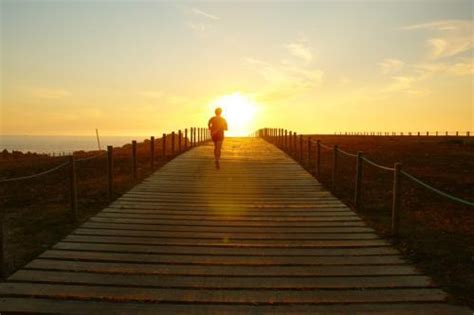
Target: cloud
<point x="205" y="14"/>
<point x="284" y="80"/>
<point x="452" y="37"/>
<point x="300" y="50"/>
<point x="389" y="66"/>
<point x="49" y="93"/>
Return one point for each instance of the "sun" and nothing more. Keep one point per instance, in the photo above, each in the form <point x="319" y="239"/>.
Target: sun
<point x="239" y="111"/>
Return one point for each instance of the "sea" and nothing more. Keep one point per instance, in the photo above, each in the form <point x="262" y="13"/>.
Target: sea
<point x="59" y="145"/>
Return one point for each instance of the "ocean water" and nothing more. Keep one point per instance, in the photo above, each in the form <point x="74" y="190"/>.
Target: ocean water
<point x="61" y="144"/>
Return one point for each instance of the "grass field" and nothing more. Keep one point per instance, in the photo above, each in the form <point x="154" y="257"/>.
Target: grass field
<point x="435" y="233"/>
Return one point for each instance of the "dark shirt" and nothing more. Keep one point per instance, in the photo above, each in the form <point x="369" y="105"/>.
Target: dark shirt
<point x="217" y="125"/>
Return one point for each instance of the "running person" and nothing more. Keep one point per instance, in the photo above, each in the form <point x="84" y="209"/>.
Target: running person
<point x="217" y="125"/>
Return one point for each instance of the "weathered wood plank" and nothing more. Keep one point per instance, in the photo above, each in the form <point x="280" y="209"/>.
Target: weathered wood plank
<point x="227" y="250"/>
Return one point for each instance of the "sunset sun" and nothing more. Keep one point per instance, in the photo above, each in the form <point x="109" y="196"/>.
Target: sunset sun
<point x="239" y="111"/>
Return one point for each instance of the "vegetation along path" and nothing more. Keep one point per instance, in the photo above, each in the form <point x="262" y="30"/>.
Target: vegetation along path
<point x="259" y="235"/>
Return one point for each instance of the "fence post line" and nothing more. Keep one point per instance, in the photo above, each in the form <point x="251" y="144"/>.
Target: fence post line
<point x="3" y="271"/>
<point x="180" y="136"/>
<point x="309" y="151"/>
<point x="295" y="145"/>
<point x="134" y="159"/>
<point x="73" y="187"/>
<point x="301" y="149"/>
<point x="152" y="153"/>
<point x="358" y="180"/>
<point x="334" y="167"/>
<point x="110" y="174"/>
<point x="318" y="157"/>
<point x="290" y="140"/>
<point x="163" y="143"/>
<point x="173" y="134"/>
<point x="286" y="140"/>
<point x="396" y="199"/>
<point x="185" y="138"/>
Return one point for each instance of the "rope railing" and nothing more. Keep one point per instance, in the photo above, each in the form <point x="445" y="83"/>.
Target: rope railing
<point x="436" y="190"/>
<point x="103" y="153"/>
<point x="383" y="167"/>
<point x="20" y="178"/>
<point x="347" y="153"/>
<point x="286" y="140"/>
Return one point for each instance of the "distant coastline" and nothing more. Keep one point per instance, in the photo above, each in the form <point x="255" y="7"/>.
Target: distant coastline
<point x="60" y="144"/>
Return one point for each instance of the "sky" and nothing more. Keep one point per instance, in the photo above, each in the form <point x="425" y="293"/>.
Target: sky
<point x="147" y="67"/>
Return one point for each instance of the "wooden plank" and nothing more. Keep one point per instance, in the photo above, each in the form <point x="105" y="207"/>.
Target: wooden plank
<point x="227" y="243"/>
<point x="222" y="270"/>
<point x="173" y="281"/>
<point x="226" y="216"/>
<point x="227" y="250"/>
<point x="230" y="229"/>
<point x="227" y="236"/>
<point x="268" y="224"/>
<point x="11" y="304"/>
<point x="231" y="296"/>
<point x="222" y="260"/>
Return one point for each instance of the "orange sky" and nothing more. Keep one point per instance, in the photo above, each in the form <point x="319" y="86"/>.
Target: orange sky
<point x="143" y="68"/>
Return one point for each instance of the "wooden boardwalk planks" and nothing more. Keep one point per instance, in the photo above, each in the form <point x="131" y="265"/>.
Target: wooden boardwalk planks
<point x="260" y="235"/>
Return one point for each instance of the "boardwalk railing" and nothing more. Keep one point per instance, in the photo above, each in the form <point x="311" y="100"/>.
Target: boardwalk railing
<point x="171" y="145"/>
<point x="293" y="144"/>
<point x="403" y="133"/>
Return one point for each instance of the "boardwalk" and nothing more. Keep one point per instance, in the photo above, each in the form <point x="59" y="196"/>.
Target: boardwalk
<point x="259" y="235"/>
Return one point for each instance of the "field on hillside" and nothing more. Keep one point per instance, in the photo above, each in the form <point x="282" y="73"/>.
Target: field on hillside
<point x="435" y="233"/>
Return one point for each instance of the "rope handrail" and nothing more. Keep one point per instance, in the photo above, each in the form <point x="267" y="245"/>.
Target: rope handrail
<point x="347" y="153"/>
<point x="14" y="179"/>
<point x="91" y="157"/>
<point x="383" y="167"/>
<point x="439" y="192"/>
<point x="325" y="146"/>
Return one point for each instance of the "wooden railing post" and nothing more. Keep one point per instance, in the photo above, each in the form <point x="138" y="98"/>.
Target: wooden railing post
<point x="185" y="138"/>
<point x="295" y="145"/>
<point x="180" y="136"/>
<point x="3" y="271"/>
<point x="396" y="199"/>
<point x="358" y="180"/>
<point x="152" y="153"/>
<point x="110" y="174"/>
<point x="334" y="166"/>
<point x="309" y="151"/>
<point x="301" y="150"/>
<point x="134" y="159"/>
<point x="318" y="157"/>
<point x="290" y="141"/>
<point x="163" y="145"/>
<point x="173" y="134"/>
<point x="73" y="188"/>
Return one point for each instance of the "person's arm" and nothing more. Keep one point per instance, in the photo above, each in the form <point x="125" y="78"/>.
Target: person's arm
<point x="209" y="123"/>
<point x="225" y="124"/>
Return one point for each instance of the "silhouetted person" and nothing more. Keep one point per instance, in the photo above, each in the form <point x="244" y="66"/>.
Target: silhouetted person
<point x="217" y="125"/>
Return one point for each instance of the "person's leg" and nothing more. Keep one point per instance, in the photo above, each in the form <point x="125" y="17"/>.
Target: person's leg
<point x="218" y="148"/>
<point x="215" y="150"/>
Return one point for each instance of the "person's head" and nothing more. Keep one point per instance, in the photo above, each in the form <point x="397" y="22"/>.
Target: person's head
<point x="218" y="111"/>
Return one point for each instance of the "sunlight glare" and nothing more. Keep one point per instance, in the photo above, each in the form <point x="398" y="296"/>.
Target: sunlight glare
<point x="239" y="111"/>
